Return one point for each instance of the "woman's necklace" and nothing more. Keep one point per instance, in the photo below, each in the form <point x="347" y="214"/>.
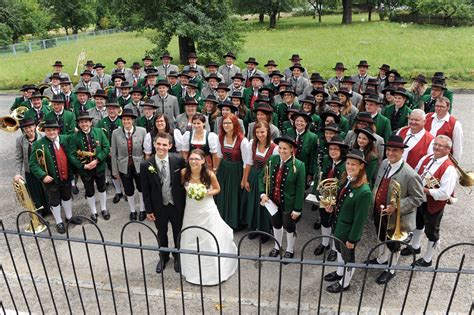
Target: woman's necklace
<point x="194" y="177"/>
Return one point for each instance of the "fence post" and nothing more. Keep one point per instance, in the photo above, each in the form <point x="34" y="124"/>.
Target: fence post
<point x="14" y="50"/>
<point x="29" y="47"/>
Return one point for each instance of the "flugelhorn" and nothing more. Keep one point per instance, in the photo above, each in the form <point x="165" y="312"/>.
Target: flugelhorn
<point x="328" y="191"/>
<point x="81" y="60"/>
<point x="41" y="158"/>
<point x="24" y="198"/>
<point x="394" y="233"/>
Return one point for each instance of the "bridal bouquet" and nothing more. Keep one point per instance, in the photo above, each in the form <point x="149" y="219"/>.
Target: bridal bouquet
<point x="197" y="191"/>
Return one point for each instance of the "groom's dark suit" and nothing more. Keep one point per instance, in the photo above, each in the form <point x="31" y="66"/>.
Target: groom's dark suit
<point x="153" y="197"/>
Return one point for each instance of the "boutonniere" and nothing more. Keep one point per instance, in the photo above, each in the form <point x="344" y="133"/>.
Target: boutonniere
<point x="152" y="169"/>
<point x="97" y="143"/>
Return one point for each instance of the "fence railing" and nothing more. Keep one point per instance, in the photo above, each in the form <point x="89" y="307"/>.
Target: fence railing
<point x="42" y="44"/>
<point x="83" y="272"/>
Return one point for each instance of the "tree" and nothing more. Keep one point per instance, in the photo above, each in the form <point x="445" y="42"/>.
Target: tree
<point x="346" y="11"/>
<point x="72" y="14"/>
<point x="272" y="8"/>
<point x="203" y="25"/>
<point x="447" y="9"/>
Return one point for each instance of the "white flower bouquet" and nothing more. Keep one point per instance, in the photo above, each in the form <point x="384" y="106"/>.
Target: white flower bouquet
<point x="197" y="191"/>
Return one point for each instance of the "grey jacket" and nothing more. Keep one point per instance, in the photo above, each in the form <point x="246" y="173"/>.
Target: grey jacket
<point x="206" y="91"/>
<point x="246" y="74"/>
<point x="92" y="86"/>
<point x="274" y="131"/>
<point x="359" y="81"/>
<point x="228" y="73"/>
<point x="299" y="85"/>
<point x="411" y="196"/>
<point x="129" y="77"/>
<point x="119" y="149"/>
<point x="62" y="75"/>
<point x="125" y="71"/>
<point x="49" y="92"/>
<point x="21" y="154"/>
<point x="168" y="105"/>
<point x="137" y="110"/>
<point x="334" y="81"/>
<point x="200" y="70"/>
<point x="163" y="72"/>
<point x="356" y="99"/>
<point x="97" y="115"/>
<point x="105" y="80"/>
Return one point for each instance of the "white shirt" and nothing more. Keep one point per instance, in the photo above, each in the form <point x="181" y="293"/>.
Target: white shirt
<point x="243" y="149"/>
<point x="394" y="168"/>
<point x="158" y="161"/>
<point x="213" y="140"/>
<point x="448" y="180"/>
<point x="148" y="145"/>
<point x="260" y="154"/>
<point x="413" y="139"/>
<point x="127" y="131"/>
<point x="457" y="133"/>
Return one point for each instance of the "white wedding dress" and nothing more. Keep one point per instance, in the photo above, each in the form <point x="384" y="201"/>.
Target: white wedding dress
<point x="204" y="213"/>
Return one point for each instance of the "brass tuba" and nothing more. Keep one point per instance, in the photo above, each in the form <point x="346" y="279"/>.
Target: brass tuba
<point x="328" y="191"/>
<point x="9" y="124"/>
<point x="24" y="198"/>
<point x="395" y="233"/>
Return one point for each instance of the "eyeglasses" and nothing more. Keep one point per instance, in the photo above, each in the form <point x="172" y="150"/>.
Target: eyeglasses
<point x="435" y="144"/>
<point x="195" y="159"/>
<point x="227" y="123"/>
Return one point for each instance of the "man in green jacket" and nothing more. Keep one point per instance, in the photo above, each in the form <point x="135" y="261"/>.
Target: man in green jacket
<point x="399" y="111"/>
<point x="38" y="110"/>
<point x="49" y="163"/>
<point x="382" y="123"/>
<point x="89" y="149"/>
<point x="27" y="90"/>
<point x="65" y="119"/>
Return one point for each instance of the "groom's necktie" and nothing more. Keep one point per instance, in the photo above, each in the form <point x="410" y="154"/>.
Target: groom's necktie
<point x="166" y="187"/>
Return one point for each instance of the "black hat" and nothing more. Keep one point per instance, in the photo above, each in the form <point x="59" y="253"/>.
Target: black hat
<point x="227" y="103"/>
<point x="344" y="91"/>
<point x="373" y="82"/>
<point x="401" y="91"/>
<point x="387" y="89"/>
<point x="163" y="82"/>
<point x="284" y="83"/>
<point x="339" y="66"/>
<point x="270" y="62"/>
<point x="439" y="75"/>
<point x="27" y="122"/>
<point x="152" y="73"/>
<point x="192" y="69"/>
<point x="356" y="155"/>
<point x="87" y="72"/>
<point x="438" y="83"/>
<point x="27" y="87"/>
<point x="317" y="91"/>
<point x="150" y="103"/>
<point x="337" y="140"/>
<point x="212" y="64"/>
<point x="373" y="98"/>
<point x="58" y="63"/>
<point x="89" y="63"/>
<point x="128" y="112"/>
<point x="99" y="65"/>
<point x="365" y="117"/>
<point x="257" y="76"/>
<point x="136" y="89"/>
<point x="57" y="76"/>
<point x="213" y="76"/>
<point x="385" y="67"/>
<point x="222" y="86"/>
<point x="185" y="73"/>
<point x="266" y="88"/>
<point x="190" y="101"/>
<point x="400" y="80"/>
<point x="35" y="94"/>
<point x="262" y="107"/>
<point x="83" y="90"/>
<point x="348" y="79"/>
<point x="211" y="98"/>
<point x="192" y="84"/>
<point x="286" y="138"/>
<point x="136" y="65"/>
<point x="236" y="94"/>
<point x="118" y="60"/>
<point x="336" y="117"/>
<point x="148" y="57"/>
<point x="192" y="55"/>
<point x="420" y="78"/>
<point x="331" y="127"/>
<point x="118" y="75"/>
<point x="368" y="132"/>
<point x="166" y="55"/>
<point x="363" y="63"/>
<point x="302" y="113"/>
<point x="238" y="76"/>
<point x="395" y="141"/>
<point x="335" y="100"/>
<point x="100" y="93"/>
<point x="125" y="85"/>
<point x="173" y="74"/>
<point x="231" y="55"/>
<point x="295" y="57"/>
<point x="276" y="73"/>
<point x="112" y="104"/>
<point x="316" y="77"/>
<point x="263" y="99"/>
<point x="309" y="99"/>
<point x="287" y="90"/>
<point x="51" y="124"/>
<point x="251" y="60"/>
<point x="299" y="66"/>
<point x="57" y="99"/>
<point x="371" y="89"/>
<point x="84" y="116"/>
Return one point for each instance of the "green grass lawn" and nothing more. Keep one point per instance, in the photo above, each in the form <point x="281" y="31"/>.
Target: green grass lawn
<point x="409" y="48"/>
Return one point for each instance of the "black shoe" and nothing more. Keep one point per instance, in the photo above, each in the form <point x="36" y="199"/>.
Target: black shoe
<point x="74" y="220"/>
<point x="317" y="225"/>
<point x="320" y="249"/>
<point x="374" y="261"/>
<point x="385" y="277"/>
<point x="75" y="190"/>
<point x="133" y="216"/>
<point x="332" y="255"/>
<point x="142" y="216"/>
<point x="117" y="198"/>
<point x="177" y="265"/>
<point x="336" y="288"/>
<point x="264" y="238"/>
<point x="61" y="228"/>
<point x="274" y="252"/>
<point x="333" y="276"/>
<point x="288" y="255"/>
<point x="94" y="217"/>
<point x="408" y="251"/>
<point x="252" y="236"/>
<point x="105" y="214"/>
<point x="162" y="264"/>
<point x="422" y="263"/>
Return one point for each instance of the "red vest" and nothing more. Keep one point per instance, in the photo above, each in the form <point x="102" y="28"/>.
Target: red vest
<point x="435" y="206"/>
<point x="381" y="195"/>
<point x="260" y="161"/>
<point x="420" y="149"/>
<point x="61" y="159"/>
<point x="447" y="128"/>
<point x="232" y="154"/>
<point x="277" y="191"/>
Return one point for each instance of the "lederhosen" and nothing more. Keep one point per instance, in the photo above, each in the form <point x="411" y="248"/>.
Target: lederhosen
<point x="35" y="187"/>
<point x="62" y="190"/>
<point x="278" y="179"/>
<point x="90" y="176"/>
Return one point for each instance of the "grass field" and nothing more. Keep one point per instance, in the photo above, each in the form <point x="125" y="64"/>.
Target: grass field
<point x="409" y="48"/>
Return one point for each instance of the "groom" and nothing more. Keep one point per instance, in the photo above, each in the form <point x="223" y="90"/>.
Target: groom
<point x="164" y="195"/>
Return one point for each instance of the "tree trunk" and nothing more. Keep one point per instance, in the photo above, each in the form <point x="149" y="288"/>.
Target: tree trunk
<point x="320" y="11"/>
<point x="186" y="46"/>
<point x="319" y="16"/>
<point x="273" y="20"/>
<point x="75" y="30"/>
<point x="261" y="17"/>
<point x="314" y="14"/>
<point x="370" y="14"/>
<point x="346" y="11"/>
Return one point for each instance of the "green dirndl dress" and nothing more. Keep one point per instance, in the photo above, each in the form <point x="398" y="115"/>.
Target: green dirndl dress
<point x="258" y="218"/>
<point x="229" y="175"/>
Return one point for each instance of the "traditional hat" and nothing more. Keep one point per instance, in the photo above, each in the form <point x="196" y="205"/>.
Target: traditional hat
<point x="87" y="72"/>
<point x="299" y="66"/>
<point x="401" y="91"/>
<point x="150" y="103"/>
<point x="212" y="64"/>
<point x="227" y="103"/>
<point x="185" y="73"/>
<point x="166" y="55"/>
<point x="373" y="98"/>
<point x="395" y="141"/>
<point x="344" y="91"/>
<point x="302" y="113"/>
<point x="266" y="88"/>
<point x="287" y="90"/>
<point x="309" y="99"/>
<point x="270" y="62"/>
<point x="119" y="60"/>
<point x="356" y="155"/>
<point x="192" y="84"/>
<point x="83" y="90"/>
<point x="173" y="74"/>
<point x="384" y="67"/>
<point x="27" y="122"/>
<point x="251" y="60"/>
<point x="231" y="55"/>
<point x="125" y="85"/>
<point x="400" y="80"/>
<point x="335" y="100"/>
<point x="420" y="78"/>
<point x="438" y="83"/>
<point x="368" y="132"/>
<point x="35" y="94"/>
<point x="118" y="75"/>
<point x="387" y="89"/>
<point x="152" y="73"/>
<point x="284" y="83"/>
<point x="439" y="75"/>
<point x="363" y="63"/>
<point x="339" y="66"/>
<point x="212" y="76"/>
<point x="84" y="116"/>
<point x="365" y="117"/>
<point x="57" y="99"/>
<point x="99" y="65"/>
<point x="26" y="87"/>
<point x="373" y="82"/>
<point x="236" y="94"/>
<point x="286" y="138"/>
<point x="319" y="91"/>
<point x="295" y="57"/>
<point x="328" y="113"/>
<point x="331" y="127"/>
<point x="190" y="101"/>
<point x="136" y="89"/>
<point x="394" y="72"/>
<point x="262" y="107"/>
<point x="222" y="86"/>
<point x="112" y="104"/>
<point x="51" y="124"/>
<point x="337" y="140"/>
<point x="136" y="65"/>
<point x="371" y="89"/>
<point x="316" y="77"/>
<point x="163" y="83"/>
<point x="58" y="63"/>
<point x="263" y="99"/>
<point x="192" y="55"/>
<point x="211" y="98"/>
<point x="238" y="76"/>
<point x="128" y="112"/>
<point x="148" y="57"/>
<point x="276" y="73"/>
<point x="257" y="76"/>
<point x="348" y="79"/>
<point x="89" y="63"/>
<point x="57" y="76"/>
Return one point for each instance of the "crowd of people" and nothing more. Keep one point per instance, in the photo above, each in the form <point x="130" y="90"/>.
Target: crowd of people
<point x="259" y="142"/>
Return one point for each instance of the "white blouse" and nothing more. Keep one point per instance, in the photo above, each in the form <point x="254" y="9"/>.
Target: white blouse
<point x="148" y="146"/>
<point x="250" y="155"/>
<point x="244" y="148"/>
<point x="213" y="140"/>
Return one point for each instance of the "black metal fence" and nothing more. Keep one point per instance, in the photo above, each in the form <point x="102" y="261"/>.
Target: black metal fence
<point x="84" y="273"/>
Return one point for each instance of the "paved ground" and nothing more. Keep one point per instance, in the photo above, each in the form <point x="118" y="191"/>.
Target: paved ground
<point x="456" y="227"/>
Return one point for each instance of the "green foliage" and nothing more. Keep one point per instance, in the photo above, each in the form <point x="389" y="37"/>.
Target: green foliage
<point x="72" y="14"/>
<point x="267" y="7"/>
<point x="449" y="9"/>
<point x="5" y="34"/>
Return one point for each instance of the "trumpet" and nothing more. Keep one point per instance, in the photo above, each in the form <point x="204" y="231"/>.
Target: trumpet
<point x="267" y="177"/>
<point x="328" y="191"/>
<point x="81" y="60"/>
<point x="41" y="158"/>
<point x="24" y="198"/>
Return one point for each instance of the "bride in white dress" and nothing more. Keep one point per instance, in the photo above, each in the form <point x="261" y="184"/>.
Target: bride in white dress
<point x="204" y="213"/>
